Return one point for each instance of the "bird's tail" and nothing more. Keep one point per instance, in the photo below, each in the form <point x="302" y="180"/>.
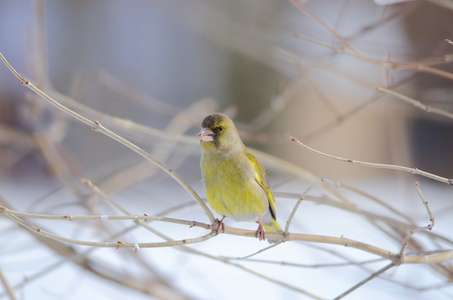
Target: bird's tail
<point x="274" y="227"/>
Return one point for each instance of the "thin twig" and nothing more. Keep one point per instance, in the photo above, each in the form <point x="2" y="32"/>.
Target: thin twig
<point x="296" y="206"/>
<point x="145" y="218"/>
<point x="8" y="288"/>
<point x="374" y="275"/>
<point x="124" y="124"/>
<point x="283" y="165"/>
<point x="425" y="203"/>
<point x="118" y="244"/>
<point x="40" y="64"/>
<point x="325" y="200"/>
<point x="376" y="200"/>
<point x="131" y="93"/>
<point x="259" y="251"/>
<point x="407" y="238"/>
<point x="345" y="43"/>
<point x="375" y="165"/>
<point x="361" y="265"/>
<point x="414" y="230"/>
<point x="176" y="208"/>
<point x="416" y="66"/>
<point x="417" y="104"/>
<point x="304" y="73"/>
<point x="314" y="266"/>
<point x="277" y="105"/>
<point x="355" y="110"/>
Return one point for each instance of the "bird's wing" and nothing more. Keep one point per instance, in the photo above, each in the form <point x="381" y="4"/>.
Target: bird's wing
<point x="261" y="179"/>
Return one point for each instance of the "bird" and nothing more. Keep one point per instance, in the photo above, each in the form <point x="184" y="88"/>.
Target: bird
<point x="235" y="180"/>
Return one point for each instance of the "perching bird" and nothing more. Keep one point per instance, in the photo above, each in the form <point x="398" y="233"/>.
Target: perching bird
<point x="235" y="180"/>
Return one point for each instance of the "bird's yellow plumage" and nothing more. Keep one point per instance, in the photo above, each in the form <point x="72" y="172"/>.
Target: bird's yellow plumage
<point x="235" y="180"/>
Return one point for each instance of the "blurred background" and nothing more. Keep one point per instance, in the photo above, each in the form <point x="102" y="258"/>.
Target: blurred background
<point x="150" y="70"/>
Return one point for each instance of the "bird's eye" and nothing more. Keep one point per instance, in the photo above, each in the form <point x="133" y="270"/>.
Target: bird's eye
<point x="220" y="128"/>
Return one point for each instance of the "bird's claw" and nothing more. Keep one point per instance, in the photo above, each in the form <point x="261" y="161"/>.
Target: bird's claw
<point x="260" y="231"/>
<point x="220" y="225"/>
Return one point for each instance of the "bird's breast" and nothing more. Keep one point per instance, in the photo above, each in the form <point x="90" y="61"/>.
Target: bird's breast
<point x="231" y="189"/>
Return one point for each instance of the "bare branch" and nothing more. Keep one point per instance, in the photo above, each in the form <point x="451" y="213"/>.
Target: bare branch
<point x="375" y="165"/>
<point x="345" y="43"/>
<point x="374" y="275"/>
<point x="9" y="290"/>
<point x="417" y="104"/>
<point x="425" y="203"/>
<point x="95" y="125"/>
<point x="258" y="252"/>
<point x="414" y="230"/>
<point x="430" y="258"/>
<point x="416" y="66"/>
<point x="296" y="206"/>
<point x="314" y="266"/>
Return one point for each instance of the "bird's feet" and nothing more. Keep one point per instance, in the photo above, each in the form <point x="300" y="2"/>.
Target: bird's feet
<point x="220" y="225"/>
<point x="260" y="231"/>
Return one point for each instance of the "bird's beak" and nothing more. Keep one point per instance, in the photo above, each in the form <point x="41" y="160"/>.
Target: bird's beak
<point x="206" y="135"/>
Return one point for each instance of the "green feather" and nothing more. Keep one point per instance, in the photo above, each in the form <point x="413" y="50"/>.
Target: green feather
<point x="235" y="180"/>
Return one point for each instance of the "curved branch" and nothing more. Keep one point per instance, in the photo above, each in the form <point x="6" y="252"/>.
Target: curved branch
<point x="375" y="165"/>
<point x="95" y="125"/>
<point x="397" y="259"/>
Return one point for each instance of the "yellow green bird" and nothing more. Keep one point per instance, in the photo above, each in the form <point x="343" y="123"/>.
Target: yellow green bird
<point x="234" y="180"/>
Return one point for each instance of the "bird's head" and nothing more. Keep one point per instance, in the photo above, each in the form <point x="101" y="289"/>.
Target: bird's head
<point x="219" y="134"/>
